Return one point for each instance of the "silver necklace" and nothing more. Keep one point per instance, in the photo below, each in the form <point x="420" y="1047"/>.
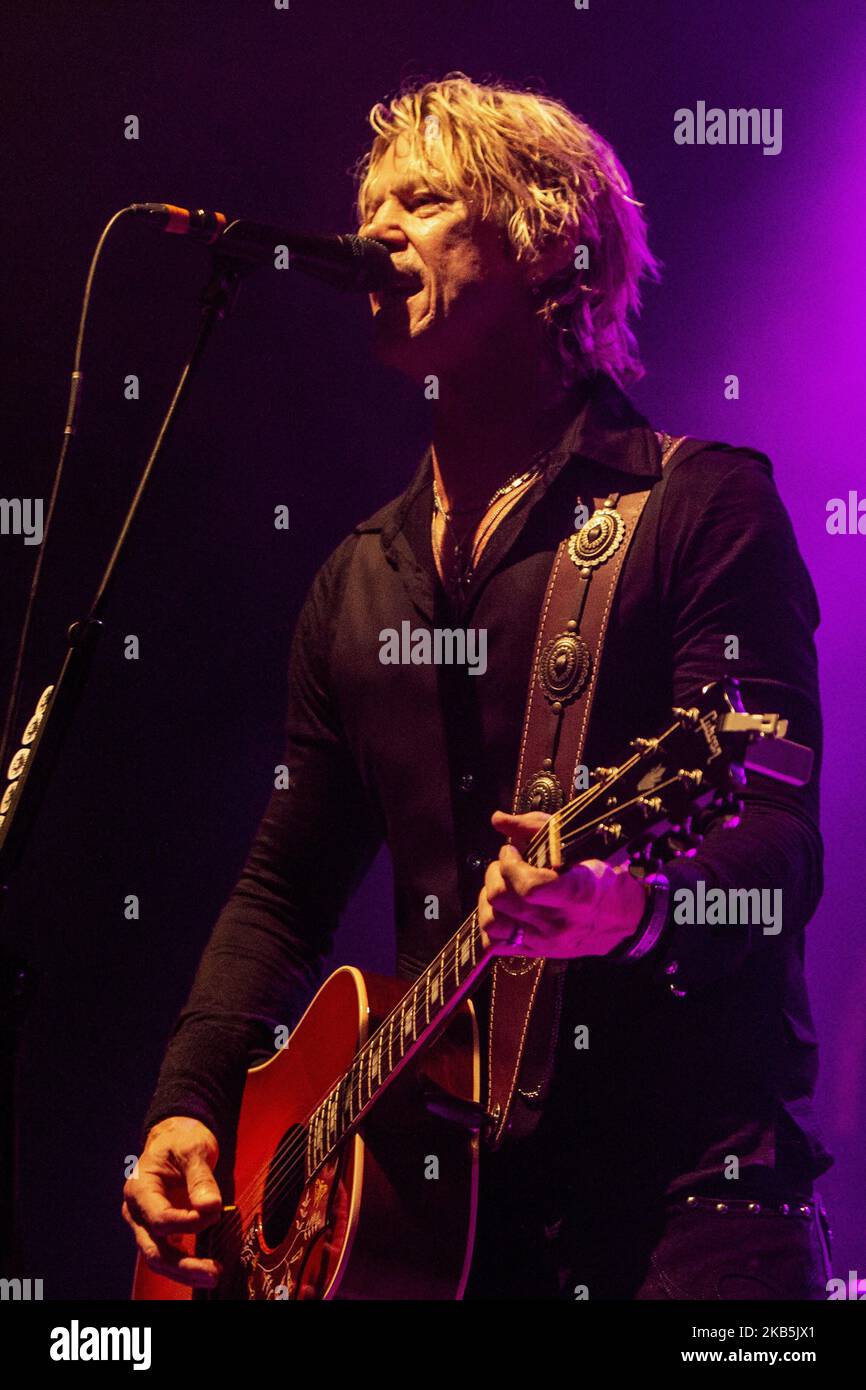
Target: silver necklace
<point x="463" y="565"/>
<point x="516" y="480"/>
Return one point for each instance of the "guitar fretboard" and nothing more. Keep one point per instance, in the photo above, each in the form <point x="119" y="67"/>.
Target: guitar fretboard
<point x="449" y="977"/>
<point x="595" y="822"/>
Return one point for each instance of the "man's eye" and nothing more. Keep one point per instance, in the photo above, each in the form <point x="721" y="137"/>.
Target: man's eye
<point x="419" y="200"/>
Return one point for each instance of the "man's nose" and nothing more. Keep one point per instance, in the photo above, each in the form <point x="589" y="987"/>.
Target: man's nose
<point x="385" y="226"/>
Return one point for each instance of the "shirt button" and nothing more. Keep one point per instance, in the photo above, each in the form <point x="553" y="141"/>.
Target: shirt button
<point x="467" y="782"/>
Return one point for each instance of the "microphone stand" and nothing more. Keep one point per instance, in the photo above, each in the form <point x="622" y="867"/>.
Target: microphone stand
<point x="31" y="766"/>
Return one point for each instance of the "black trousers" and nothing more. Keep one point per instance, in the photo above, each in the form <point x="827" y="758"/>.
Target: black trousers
<point x="620" y="1245"/>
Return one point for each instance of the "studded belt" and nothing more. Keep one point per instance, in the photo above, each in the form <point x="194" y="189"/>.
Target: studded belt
<point x="740" y="1205"/>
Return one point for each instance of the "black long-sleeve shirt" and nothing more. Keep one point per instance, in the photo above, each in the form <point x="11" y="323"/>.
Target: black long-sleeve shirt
<point x="419" y="755"/>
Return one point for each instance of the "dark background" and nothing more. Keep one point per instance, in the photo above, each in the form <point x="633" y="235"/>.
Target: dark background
<point x="262" y="113"/>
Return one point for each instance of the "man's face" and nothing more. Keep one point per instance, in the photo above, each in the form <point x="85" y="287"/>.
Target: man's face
<point x="462" y="289"/>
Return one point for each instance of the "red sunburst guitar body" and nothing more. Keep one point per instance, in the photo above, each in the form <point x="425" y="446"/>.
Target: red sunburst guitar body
<point x="391" y="1212"/>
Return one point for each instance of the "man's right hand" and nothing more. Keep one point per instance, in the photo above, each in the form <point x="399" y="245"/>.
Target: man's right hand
<point x="173" y="1194"/>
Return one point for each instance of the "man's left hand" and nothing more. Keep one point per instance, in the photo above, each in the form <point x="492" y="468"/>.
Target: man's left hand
<point x="585" y="910"/>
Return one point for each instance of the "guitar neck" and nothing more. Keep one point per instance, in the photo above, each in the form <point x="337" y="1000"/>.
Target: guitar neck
<point x="452" y="975"/>
<point x="422" y="1011"/>
<point x="692" y="765"/>
<point x="425" y="1008"/>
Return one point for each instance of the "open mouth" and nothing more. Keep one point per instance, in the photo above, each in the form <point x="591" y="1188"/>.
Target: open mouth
<point x="404" y="283"/>
<point x="397" y="293"/>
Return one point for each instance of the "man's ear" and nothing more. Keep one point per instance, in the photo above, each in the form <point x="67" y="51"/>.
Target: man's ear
<point x="555" y="255"/>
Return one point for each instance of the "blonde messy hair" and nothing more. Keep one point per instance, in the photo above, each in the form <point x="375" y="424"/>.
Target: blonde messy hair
<point x="542" y="174"/>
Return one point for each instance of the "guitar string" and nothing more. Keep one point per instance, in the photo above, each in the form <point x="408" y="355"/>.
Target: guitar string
<point x="285" y="1170"/>
<point x="289" y="1164"/>
<point x="291" y="1160"/>
<point x="290" y="1170"/>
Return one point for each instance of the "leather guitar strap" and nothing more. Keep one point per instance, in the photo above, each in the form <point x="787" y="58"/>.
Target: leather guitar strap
<point x="526" y="992"/>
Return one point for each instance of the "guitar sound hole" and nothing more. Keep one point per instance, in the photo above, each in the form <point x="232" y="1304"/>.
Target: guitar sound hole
<point x="284" y="1185"/>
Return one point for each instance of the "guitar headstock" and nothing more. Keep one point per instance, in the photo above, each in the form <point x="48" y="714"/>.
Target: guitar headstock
<point x="693" y="768"/>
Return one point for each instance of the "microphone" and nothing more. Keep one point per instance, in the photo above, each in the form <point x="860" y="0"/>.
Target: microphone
<point x="348" y="262"/>
<point x="198" y="224"/>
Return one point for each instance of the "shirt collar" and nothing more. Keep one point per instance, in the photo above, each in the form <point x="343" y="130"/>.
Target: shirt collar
<point x="610" y="430"/>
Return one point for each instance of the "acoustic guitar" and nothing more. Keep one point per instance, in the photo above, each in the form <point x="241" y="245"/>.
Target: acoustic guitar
<point x="355" y="1169"/>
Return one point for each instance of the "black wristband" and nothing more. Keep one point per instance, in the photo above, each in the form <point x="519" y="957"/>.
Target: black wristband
<point x="651" y="924"/>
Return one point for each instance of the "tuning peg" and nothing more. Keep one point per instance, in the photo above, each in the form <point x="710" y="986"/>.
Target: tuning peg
<point x="689" y="718"/>
<point x="603" y="773"/>
<point x="649" y="805"/>
<point x="610" y="832"/>
<point x="690" y="779"/>
<point x="644" y="745"/>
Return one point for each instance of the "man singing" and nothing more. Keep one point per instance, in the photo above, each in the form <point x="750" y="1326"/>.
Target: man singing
<point x="676" y="1154"/>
